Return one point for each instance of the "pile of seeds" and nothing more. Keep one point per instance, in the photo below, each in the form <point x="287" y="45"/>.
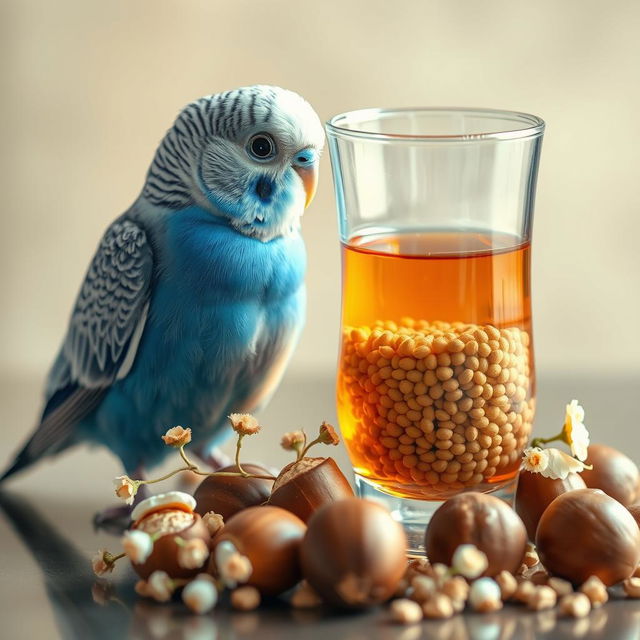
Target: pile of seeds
<point x="436" y="404"/>
<point x="432" y="591"/>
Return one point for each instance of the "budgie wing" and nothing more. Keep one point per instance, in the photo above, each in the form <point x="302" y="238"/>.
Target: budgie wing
<point x="110" y="311"/>
<point x="102" y="338"/>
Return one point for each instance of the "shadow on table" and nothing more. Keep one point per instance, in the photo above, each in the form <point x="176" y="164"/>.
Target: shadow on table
<point x="86" y="607"/>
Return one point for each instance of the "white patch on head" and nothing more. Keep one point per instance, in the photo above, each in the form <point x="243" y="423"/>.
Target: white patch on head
<point x="296" y="118"/>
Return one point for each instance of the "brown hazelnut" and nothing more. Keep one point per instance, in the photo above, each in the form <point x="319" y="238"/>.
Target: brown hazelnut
<point x="535" y="493"/>
<point x="227" y="495"/>
<point x="305" y="485"/>
<point x="164" y="556"/>
<point x="613" y="472"/>
<point x="353" y="553"/>
<point x="634" y="510"/>
<point x="482" y="520"/>
<point x="270" y="537"/>
<point x="586" y="532"/>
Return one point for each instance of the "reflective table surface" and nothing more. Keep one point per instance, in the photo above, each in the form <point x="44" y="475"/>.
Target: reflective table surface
<point x="47" y="588"/>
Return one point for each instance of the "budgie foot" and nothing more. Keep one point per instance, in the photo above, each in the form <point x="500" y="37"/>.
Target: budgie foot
<point x="115" y="520"/>
<point x="214" y="458"/>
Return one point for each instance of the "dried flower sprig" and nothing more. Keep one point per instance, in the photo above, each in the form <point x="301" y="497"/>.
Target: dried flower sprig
<point x="244" y="424"/>
<point x="553" y="463"/>
<point x="104" y="562"/>
<point x="294" y="441"/>
<point x="297" y="440"/>
<point x="573" y="432"/>
<point x="326" y="435"/>
<point x="178" y="437"/>
<point x="192" y="554"/>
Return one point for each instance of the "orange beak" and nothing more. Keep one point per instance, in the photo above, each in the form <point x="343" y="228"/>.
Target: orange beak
<point x="309" y="177"/>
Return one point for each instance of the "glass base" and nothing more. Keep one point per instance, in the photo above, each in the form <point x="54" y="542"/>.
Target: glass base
<point x="414" y="515"/>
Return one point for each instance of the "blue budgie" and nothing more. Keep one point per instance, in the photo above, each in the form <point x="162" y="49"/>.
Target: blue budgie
<point x="195" y="298"/>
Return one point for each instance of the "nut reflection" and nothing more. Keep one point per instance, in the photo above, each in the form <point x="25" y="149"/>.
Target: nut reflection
<point x="498" y="626"/>
<point x="599" y="618"/>
<point x="399" y="632"/>
<point x="102" y="592"/>
<point x="545" y="621"/>
<point x="245" y="623"/>
<point x="451" y="629"/>
<point x="200" y="628"/>
<point x="153" y="621"/>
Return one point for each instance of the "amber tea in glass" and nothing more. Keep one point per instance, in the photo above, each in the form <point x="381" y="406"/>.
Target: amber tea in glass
<point x="435" y="386"/>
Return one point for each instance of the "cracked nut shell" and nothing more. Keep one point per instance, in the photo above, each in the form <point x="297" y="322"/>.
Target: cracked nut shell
<point x="306" y="485"/>
<point x="164" y="556"/>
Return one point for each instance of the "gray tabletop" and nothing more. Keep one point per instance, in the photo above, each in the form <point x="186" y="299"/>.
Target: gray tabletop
<point x="47" y="589"/>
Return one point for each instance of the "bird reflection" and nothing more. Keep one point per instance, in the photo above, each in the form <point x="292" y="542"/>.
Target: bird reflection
<point x="88" y="608"/>
<point x="67" y="575"/>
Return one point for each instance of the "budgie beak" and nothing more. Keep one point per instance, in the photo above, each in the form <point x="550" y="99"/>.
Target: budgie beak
<point x="309" y="177"/>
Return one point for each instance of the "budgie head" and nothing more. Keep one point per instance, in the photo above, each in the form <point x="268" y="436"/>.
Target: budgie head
<point x="249" y="156"/>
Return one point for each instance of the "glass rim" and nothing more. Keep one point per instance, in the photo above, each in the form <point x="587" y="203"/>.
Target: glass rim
<point x="533" y="125"/>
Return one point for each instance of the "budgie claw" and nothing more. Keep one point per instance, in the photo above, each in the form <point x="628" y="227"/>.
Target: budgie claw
<point x="114" y="520"/>
<point x="214" y="458"/>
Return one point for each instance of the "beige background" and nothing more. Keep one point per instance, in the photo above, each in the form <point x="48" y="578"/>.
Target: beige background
<point x="89" y="87"/>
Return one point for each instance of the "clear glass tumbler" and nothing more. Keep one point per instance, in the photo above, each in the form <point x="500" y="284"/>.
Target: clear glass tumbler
<point x="436" y="389"/>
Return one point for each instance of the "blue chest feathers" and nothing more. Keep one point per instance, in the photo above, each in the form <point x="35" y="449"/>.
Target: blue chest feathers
<point x="217" y="288"/>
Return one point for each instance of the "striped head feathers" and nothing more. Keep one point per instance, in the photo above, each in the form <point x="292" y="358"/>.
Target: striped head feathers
<point x="249" y="156"/>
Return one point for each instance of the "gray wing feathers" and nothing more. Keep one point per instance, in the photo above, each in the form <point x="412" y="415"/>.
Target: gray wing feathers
<point x="104" y="331"/>
<point x="110" y="311"/>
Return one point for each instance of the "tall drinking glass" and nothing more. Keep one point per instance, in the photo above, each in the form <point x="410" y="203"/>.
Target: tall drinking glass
<point x="436" y="389"/>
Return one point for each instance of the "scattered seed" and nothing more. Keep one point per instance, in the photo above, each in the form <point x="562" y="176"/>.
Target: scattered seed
<point x="405" y="611"/>
<point x="576" y="605"/>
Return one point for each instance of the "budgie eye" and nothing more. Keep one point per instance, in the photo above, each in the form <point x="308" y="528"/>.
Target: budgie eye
<point x="262" y="147"/>
<point x="305" y="158"/>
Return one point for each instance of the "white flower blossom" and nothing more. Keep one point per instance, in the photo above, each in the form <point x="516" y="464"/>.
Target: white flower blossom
<point x="200" y="595"/>
<point x="100" y="563"/>
<point x="233" y="567"/>
<point x="160" y="586"/>
<point x="535" y="459"/>
<point x="224" y="549"/>
<point x="561" y="464"/>
<point x="244" y="424"/>
<point x="214" y="522"/>
<point x="193" y="554"/>
<point x="575" y="432"/>
<point x="177" y="437"/>
<point x="125" y="488"/>
<point x="469" y="561"/>
<point x="138" y="545"/>
<point x="485" y="595"/>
